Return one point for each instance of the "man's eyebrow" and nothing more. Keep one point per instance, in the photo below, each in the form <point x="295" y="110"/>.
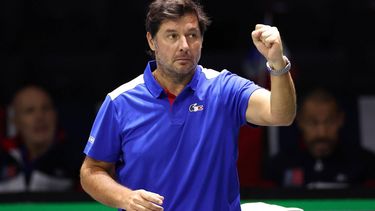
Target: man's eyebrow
<point x="170" y="30"/>
<point x="194" y="29"/>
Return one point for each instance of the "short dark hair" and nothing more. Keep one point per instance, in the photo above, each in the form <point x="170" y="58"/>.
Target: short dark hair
<point x="321" y="94"/>
<point x="31" y="85"/>
<point x="160" y="10"/>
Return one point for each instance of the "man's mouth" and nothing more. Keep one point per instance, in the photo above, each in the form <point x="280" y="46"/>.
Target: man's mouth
<point x="183" y="59"/>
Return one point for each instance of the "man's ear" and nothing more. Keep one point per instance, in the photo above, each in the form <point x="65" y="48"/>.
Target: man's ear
<point x="150" y="41"/>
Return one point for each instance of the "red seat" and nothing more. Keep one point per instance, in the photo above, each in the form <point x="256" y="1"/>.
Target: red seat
<point x="250" y="157"/>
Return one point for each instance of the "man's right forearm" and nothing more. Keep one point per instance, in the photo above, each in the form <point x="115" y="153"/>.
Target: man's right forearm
<point x="97" y="180"/>
<point x="103" y="188"/>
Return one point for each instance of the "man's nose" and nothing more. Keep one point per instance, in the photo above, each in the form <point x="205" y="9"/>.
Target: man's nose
<point x="184" y="45"/>
<point x="321" y="130"/>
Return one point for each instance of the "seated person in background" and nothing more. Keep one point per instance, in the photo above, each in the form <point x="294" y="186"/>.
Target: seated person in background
<point x="37" y="158"/>
<point x="323" y="161"/>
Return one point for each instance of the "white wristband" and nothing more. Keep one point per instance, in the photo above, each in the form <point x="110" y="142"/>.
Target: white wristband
<point x="279" y="72"/>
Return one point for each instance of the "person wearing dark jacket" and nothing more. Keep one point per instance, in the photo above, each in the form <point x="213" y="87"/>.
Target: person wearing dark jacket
<point x="38" y="158"/>
<point x="323" y="159"/>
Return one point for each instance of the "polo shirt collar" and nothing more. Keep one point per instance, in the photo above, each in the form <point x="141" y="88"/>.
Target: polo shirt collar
<point x="194" y="81"/>
<point x="154" y="87"/>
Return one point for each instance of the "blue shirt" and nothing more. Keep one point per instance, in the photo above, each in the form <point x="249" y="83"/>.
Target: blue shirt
<point x="186" y="152"/>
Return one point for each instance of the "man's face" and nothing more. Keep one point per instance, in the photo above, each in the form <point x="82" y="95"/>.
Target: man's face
<point x="177" y="45"/>
<point x="34" y="117"/>
<point x="320" y="123"/>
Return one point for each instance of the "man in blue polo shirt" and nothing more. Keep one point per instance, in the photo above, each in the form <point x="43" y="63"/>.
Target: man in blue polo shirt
<point x="168" y="138"/>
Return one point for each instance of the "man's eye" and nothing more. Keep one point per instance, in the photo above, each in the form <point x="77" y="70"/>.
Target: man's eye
<point x="192" y="35"/>
<point x="172" y="36"/>
<point x="29" y="110"/>
<point x="311" y="123"/>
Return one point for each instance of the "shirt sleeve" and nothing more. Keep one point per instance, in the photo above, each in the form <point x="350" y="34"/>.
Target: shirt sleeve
<point x="236" y="93"/>
<point x="104" y="143"/>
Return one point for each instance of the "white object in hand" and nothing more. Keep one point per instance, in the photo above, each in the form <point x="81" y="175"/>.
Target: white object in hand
<point x="261" y="206"/>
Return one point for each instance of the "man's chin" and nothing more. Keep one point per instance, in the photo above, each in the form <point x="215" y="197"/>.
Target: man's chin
<point x="184" y="63"/>
<point x="41" y="140"/>
<point x="185" y="68"/>
<point x="322" y="153"/>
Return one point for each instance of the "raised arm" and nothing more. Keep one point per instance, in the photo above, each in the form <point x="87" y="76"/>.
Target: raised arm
<point x="97" y="179"/>
<point x="278" y="106"/>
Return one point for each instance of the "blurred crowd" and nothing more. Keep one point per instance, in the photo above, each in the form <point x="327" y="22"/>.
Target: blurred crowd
<point x="36" y="155"/>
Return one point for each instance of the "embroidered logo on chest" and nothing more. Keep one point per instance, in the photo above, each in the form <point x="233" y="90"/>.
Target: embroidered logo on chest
<point x="195" y="107"/>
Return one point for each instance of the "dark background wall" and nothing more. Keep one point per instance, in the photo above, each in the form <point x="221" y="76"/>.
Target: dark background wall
<point x="83" y="49"/>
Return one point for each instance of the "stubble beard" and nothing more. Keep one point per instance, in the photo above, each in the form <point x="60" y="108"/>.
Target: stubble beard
<point x="174" y="73"/>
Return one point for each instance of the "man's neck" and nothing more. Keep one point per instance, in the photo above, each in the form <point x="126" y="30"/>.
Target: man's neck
<point x="174" y="84"/>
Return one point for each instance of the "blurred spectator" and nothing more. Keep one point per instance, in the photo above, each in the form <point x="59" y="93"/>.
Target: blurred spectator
<point x="323" y="159"/>
<point x="37" y="158"/>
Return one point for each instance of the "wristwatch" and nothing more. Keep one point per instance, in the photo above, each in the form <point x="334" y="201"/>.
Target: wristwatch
<point x="279" y="72"/>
